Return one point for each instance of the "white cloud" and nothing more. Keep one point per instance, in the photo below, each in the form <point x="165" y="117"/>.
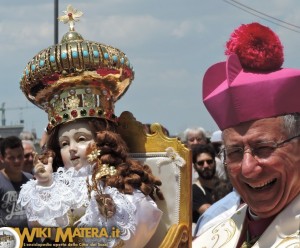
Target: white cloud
<point x="183" y="28"/>
<point x="123" y="29"/>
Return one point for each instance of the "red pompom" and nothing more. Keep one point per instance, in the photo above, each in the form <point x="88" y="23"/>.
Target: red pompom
<point x="257" y="47"/>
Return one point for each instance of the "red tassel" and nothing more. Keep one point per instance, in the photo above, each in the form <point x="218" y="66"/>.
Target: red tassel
<point x="257" y="47"/>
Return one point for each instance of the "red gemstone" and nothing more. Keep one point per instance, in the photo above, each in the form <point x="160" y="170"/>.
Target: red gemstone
<point x="70" y="14"/>
<point x="74" y="113"/>
<point x="92" y="112"/>
<point x="58" y="118"/>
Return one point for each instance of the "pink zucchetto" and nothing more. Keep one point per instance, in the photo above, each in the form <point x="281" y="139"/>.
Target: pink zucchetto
<point x="251" y="84"/>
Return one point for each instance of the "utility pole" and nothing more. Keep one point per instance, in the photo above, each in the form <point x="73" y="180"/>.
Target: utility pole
<point x="2" y="109"/>
<point x="55" y="22"/>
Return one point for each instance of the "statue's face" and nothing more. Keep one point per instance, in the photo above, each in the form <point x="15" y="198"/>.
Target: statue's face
<point x="74" y="138"/>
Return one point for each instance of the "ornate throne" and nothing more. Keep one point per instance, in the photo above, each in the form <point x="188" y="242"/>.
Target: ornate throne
<point x="170" y="161"/>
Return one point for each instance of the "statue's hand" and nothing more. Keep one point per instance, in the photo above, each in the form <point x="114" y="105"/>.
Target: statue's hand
<point x="43" y="172"/>
<point x="106" y="205"/>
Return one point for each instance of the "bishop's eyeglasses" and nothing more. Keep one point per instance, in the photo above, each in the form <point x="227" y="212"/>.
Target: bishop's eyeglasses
<point x="233" y="155"/>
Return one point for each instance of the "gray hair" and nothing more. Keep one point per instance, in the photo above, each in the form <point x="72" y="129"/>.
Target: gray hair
<point x="28" y="142"/>
<point x="26" y="135"/>
<point x="193" y="130"/>
<point x="291" y="124"/>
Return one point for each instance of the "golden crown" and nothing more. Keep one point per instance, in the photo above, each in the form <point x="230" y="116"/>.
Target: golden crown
<point x="76" y="78"/>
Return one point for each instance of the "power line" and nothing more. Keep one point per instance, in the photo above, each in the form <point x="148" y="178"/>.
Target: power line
<point x="248" y="10"/>
<point x="274" y="18"/>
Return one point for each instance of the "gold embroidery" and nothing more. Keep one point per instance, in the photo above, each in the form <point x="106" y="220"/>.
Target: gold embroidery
<point x="227" y="228"/>
<point x="292" y="241"/>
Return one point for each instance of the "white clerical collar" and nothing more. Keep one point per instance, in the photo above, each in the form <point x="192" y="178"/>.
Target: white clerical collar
<point x="252" y="215"/>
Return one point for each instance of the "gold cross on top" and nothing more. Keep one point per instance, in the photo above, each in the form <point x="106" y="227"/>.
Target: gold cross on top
<point x="70" y="16"/>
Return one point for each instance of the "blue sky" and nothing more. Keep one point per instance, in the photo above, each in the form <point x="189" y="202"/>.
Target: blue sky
<point x="170" y="44"/>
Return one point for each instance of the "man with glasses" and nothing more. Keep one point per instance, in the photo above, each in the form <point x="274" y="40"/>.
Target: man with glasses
<point x="205" y="165"/>
<point x="29" y="151"/>
<point x="260" y="121"/>
<point x="12" y="178"/>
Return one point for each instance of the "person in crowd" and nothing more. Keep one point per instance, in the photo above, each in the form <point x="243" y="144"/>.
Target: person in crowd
<point x="208" y="188"/>
<point x="221" y="189"/>
<point x="194" y="136"/>
<point x="205" y="165"/>
<point x="26" y="135"/>
<point x="260" y="121"/>
<point x="12" y="178"/>
<point x="96" y="183"/>
<point x="217" y="142"/>
<point x="191" y="137"/>
<point x="29" y="151"/>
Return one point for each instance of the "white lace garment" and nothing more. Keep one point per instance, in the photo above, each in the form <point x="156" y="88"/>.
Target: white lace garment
<point x="136" y="217"/>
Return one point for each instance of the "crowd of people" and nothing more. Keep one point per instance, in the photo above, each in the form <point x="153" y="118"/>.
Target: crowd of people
<point x="245" y="176"/>
<point x="12" y="177"/>
<point x="209" y="178"/>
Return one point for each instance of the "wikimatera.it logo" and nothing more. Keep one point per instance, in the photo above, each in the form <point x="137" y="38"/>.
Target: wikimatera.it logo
<point x="65" y="235"/>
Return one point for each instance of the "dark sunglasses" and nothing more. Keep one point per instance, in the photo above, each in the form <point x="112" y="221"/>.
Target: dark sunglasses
<point x="28" y="155"/>
<point x="208" y="161"/>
